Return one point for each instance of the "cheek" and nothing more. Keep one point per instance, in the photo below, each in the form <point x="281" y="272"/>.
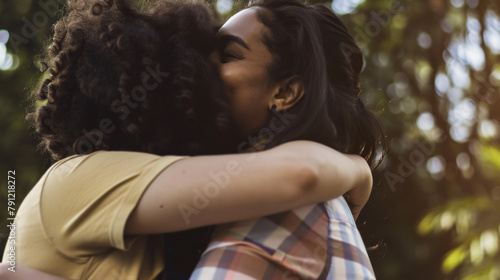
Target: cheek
<point x="247" y="91"/>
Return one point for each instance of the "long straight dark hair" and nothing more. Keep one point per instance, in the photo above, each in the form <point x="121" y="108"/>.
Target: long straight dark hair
<point x="314" y="44"/>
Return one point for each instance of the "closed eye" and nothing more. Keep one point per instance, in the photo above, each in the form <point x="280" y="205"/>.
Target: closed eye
<point x="226" y="57"/>
<point x="226" y="44"/>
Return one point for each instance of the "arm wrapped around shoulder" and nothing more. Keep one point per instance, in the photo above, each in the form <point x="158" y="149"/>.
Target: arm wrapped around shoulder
<point x="205" y="190"/>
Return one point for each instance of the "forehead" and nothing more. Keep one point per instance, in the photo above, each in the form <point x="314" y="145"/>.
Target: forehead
<point x="244" y="24"/>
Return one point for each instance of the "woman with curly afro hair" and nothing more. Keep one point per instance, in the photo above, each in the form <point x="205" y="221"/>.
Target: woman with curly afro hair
<point x="138" y="120"/>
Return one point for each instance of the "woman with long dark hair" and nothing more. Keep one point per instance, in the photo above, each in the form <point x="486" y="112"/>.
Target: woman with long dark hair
<point x="282" y="55"/>
<point x="129" y="95"/>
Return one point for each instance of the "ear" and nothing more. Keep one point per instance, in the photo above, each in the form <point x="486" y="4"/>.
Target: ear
<point x="290" y="91"/>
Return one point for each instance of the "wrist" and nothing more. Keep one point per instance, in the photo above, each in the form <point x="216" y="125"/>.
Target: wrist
<point x="365" y="179"/>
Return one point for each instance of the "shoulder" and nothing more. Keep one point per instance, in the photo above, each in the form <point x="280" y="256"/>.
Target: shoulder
<point x="109" y="162"/>
<point x="100" y="172"/>
<point x="87" y="199"/>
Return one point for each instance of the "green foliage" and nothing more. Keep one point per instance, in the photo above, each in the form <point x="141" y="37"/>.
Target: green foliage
<point x="424" y="83"/>
<point x="477" y="228"/>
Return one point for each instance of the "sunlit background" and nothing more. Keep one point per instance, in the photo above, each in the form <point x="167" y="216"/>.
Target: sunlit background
<point x="432" y="73"/>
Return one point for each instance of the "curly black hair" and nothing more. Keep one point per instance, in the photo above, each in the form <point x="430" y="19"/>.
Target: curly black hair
<point x="122" y="79"/>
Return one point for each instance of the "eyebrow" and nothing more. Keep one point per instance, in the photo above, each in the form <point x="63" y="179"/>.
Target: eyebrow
<point x="227" y="38"/>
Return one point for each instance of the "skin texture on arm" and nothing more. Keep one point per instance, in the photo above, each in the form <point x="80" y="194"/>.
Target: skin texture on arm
<point x="208" y="190"/>
<point x="25" y="273"/>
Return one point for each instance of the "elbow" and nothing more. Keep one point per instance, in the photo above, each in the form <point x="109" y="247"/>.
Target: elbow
<point x="306" y="177"/>
<point x="298" y="179"/>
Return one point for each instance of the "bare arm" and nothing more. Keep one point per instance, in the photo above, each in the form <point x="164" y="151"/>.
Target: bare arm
<point x="288" y="176"/>
<point x="25" y="273"/>
<point x="205" y="190"/>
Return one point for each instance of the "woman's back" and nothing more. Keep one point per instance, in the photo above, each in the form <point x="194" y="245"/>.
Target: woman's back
<point x="72" y="222"/>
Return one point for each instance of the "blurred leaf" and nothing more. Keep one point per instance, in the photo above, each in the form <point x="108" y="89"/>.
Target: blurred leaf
<point x="454" y="258"/>
<point x="476" y="252"/>
<point x="489" y="242"/>
<point x="427" y="223"/>
<point x="491" y="155"/>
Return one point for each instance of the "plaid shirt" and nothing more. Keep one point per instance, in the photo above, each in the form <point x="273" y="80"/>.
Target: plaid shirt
<point x="312" y="242"/>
